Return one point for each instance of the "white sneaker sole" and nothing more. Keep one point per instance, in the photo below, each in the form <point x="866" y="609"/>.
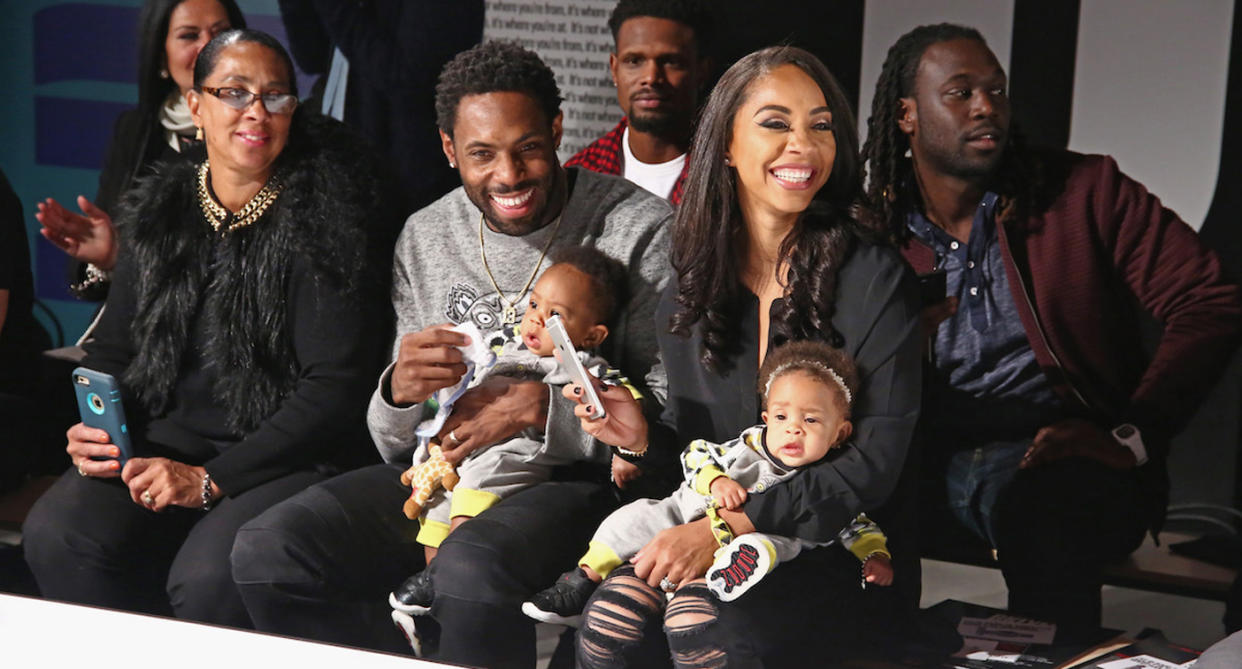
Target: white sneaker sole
<point x="738" y="567"/>
<point x="408" y="609"/>
<point x="549" y="617"/>
<point x="405" y="624"/>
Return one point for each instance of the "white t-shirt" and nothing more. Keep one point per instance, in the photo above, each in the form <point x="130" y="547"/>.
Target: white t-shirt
<point x="658" y="178"/>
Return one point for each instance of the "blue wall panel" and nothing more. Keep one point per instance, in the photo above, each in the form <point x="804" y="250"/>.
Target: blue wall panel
<point x="64" y="33"/>
<point x="74" y="133"/>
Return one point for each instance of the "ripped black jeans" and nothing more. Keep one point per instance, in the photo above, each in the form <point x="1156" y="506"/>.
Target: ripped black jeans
<point x="807" y="612"/>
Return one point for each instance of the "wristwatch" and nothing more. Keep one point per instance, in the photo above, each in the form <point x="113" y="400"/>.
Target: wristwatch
<point x="1127" y="435"/>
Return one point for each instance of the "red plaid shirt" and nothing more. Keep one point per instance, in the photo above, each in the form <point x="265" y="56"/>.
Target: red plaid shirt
<point x="604" y="156"/>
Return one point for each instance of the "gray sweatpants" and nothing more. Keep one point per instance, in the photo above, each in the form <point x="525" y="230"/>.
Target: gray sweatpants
<point x="632" y="526"/>
<point x="502" y="470"/>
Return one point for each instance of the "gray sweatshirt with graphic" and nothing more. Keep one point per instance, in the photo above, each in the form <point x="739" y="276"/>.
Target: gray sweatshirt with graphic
<point x="438" y="277"/>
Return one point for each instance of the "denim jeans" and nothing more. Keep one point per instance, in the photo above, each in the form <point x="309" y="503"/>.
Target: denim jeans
<point x="1054" y="526"/>
<point x="974" y="479"/>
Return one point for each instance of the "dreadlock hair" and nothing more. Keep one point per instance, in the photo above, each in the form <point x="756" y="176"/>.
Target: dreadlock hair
<point x="693" y="13"/>
<point x="816" y="359"/>
<point x="891" y="188"/>
<point x="493" y="67"/>
<point x="709" y="229"/>
<point x="607" y="275"/>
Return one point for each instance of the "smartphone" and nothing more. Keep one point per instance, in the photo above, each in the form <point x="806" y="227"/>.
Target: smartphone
<point x="99" y="403"/>
<point x="569" y="358"/>
<point x="932" y="287"/>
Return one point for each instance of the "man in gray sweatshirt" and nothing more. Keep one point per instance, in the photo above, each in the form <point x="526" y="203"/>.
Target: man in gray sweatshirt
<point x="321" y="564"/>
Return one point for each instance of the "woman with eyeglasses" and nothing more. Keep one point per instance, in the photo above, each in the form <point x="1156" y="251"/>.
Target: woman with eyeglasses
<point x="246" y="325"/>
<point x="170" y="35"/>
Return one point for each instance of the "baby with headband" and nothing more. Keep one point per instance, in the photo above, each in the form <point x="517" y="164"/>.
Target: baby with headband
<point x="807" y="390"/>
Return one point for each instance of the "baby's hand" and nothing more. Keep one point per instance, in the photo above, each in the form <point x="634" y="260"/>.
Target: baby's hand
<point x="728" y="493"/>
<point x="878" y="570"/>
<point x="624" y="472"/>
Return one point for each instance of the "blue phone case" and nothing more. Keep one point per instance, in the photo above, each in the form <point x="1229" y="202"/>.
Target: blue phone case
<point x="99" y="403"/>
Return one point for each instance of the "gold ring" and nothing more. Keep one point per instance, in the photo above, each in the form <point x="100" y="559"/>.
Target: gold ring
<point x="81" y="472"/>
<point x="147" y="498"/>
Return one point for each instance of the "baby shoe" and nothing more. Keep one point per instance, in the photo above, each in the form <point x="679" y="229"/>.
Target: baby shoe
<point x="414" y="595"/>
<point x="739" y="566"/>
<point x="562" y="604"/>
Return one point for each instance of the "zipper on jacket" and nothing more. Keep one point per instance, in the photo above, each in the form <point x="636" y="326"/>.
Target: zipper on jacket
<point x="1039" y="328"/>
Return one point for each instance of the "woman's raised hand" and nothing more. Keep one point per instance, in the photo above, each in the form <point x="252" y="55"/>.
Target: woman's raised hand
<point x="623" y="424"/>
<point x="88" y="237"/>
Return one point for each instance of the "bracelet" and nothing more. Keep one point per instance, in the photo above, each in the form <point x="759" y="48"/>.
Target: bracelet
<point x="208" y="497"/>
<point x="864" y="564"/>
<point x="94" y="277"/>
<point x="720" y="529"/>
<point x="630" y="456"/>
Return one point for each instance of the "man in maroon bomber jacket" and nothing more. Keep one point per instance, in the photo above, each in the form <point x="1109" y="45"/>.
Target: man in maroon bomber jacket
<point x="659" y="65"/>
<point x="1045" y="424"/>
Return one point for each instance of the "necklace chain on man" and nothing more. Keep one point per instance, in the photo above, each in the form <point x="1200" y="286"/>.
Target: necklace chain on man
<point x="253" y="210"/>
<point x="510" y="311"/>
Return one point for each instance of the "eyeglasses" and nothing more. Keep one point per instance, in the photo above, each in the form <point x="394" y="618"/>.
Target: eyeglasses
<point x="240" y="99"/>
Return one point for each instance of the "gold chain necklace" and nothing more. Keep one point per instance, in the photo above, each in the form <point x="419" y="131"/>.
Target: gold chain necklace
<point x="510" y="311"/>
<point x="258" y="205"/>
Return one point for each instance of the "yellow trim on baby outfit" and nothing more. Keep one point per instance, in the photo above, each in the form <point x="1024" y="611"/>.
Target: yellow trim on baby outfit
<point x="470" y="502"/>
<point x="872" y="542"/>
<point x="600" y="558"/>
<point x="432" y="532"/>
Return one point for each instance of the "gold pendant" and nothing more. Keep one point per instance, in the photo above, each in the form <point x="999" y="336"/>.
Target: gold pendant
<point x="510" y="315"/>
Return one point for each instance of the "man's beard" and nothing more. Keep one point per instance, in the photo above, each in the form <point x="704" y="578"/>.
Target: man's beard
<point x="660" y="125"/>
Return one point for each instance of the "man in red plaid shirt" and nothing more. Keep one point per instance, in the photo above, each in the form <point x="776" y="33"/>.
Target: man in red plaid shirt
<point x="658" y="66"/>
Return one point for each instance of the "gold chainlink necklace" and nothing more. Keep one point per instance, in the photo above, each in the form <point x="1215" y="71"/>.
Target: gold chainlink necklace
<point x="216" y="214"/>
<point x="510" y="311"/>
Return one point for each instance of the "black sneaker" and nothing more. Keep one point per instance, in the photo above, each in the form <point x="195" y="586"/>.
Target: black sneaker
<point x="414" y="595"/>
<point x="562" y="603"/>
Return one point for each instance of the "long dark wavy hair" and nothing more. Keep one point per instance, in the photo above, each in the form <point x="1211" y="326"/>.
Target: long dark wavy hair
<point x="154" y="89"/>
<point x="891" y="188"/>
<point x="709" y="228"/>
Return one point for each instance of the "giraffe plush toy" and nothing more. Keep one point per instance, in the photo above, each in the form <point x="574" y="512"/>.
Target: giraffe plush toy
<point x="425" y="477"/>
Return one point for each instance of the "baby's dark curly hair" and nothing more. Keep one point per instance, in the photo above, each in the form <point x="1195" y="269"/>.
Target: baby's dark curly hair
<point x="608" y="277"/>
<point x="494" y="67"/>
<point x="817" y="359"/>
<point x="693" y="13"/>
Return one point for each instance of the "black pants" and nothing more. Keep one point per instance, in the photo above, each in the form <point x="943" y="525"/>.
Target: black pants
<point x="321" y="564"/>
<point x="87" y="542"/>
<point x="1054" y="527"/>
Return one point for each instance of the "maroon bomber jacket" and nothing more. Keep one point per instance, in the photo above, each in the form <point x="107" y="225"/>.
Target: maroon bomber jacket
<point x="1085" y="266"/>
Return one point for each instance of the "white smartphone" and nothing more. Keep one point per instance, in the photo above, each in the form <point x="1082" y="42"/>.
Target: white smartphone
<point x="569" y="358"/>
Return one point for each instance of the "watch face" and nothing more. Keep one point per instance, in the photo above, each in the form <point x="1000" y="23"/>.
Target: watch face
<point x="1124" y="431"/>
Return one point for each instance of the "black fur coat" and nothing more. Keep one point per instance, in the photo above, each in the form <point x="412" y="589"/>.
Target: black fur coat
<point x="332" y="223"/>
